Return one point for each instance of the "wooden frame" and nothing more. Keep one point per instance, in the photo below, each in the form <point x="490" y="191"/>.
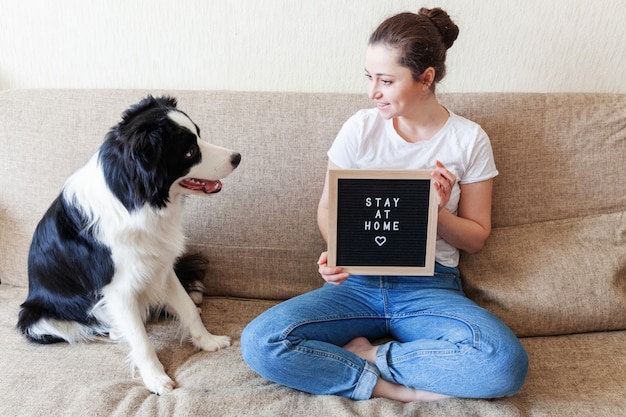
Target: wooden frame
<point x="382" y="222"/>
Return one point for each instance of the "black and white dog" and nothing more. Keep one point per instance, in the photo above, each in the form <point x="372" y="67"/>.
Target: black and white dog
<point x="104" y="253"/>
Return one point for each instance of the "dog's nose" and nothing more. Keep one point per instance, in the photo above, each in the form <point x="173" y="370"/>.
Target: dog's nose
<point x="235" y="159"/>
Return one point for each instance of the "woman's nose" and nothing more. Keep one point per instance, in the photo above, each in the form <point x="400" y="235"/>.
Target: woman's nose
<point x="373" y="92"/>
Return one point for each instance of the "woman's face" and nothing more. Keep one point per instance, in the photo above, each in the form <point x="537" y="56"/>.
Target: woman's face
<point x="391" y="85"/>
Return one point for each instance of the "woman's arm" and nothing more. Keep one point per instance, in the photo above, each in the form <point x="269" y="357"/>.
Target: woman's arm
<point x="331" y="275"/>
<point x="470" y="229"/>
<point x="322" y="206"/>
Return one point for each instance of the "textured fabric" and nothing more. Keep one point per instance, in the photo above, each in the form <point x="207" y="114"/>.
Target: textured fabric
<point x="577" y="376"/>
<point x="555" y="263"/>
<point x="558" y="277"/>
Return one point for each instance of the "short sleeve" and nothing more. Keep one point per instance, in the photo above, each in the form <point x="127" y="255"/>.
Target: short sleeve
<point x="343" y="152"/>
<point x="481" y="164"/>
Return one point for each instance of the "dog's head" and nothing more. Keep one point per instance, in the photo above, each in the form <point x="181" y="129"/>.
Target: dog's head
<point x="156" y="152"/>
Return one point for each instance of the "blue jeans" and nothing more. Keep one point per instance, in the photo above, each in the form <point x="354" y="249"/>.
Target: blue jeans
<point x="441" y="341"/>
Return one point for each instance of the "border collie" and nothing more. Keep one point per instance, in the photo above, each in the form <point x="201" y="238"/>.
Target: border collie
<point x="104" y="253"/>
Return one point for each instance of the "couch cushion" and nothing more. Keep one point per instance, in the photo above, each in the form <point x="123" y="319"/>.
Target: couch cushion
<point x="557" y="277"/>
<point x="580" y="375"/>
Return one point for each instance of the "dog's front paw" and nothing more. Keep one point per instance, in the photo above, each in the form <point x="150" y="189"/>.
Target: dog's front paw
<point x="159" y="384"/>
<point x="211" y="342"/>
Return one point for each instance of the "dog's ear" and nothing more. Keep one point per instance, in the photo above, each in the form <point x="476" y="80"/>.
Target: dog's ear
<point x="144" y="165"/>
<point x="145" y="146"/>
<point x="145" y="124"/>
<point x="140" y="129"/>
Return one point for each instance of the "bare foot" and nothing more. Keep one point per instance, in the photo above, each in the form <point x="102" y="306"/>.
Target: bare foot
<point x="385" y="389"/>
<point x="363" y="348"/>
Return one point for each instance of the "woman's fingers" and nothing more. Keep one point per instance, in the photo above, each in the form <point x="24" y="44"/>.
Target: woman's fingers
<point x="444" y="181"/>
<point x="332" y="275"/>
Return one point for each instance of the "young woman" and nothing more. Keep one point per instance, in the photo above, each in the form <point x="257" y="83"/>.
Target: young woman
<point x="441" y="343"/>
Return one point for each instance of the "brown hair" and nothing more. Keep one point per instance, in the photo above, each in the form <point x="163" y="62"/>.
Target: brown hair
<point x="422" y="40"/>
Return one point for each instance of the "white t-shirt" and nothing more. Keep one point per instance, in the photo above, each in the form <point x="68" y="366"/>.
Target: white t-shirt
<point x="367" y="141"/>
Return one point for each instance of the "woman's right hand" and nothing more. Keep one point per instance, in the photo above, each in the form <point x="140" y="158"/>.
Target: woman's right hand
<point x="332" y="275"/>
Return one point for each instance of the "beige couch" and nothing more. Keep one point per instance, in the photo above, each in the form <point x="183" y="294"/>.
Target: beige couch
<point x="554" y="268"/>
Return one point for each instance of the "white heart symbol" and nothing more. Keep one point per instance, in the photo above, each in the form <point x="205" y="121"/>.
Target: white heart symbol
<point x="380" y="240"/>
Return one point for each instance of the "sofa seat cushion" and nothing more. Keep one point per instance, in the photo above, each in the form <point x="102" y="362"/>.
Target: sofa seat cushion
<point x="558" y="277"/>
<point x="569" y="375"/>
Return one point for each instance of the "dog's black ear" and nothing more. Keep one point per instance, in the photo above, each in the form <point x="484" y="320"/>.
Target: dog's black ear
<point x="141" y="128"/>
<point x="146" y="152"/>
<point x="145" y="146"/>
<point x="145" y="124"/>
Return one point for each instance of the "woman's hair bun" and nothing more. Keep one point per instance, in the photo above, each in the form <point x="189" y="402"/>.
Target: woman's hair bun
<point x="448" y="30"/>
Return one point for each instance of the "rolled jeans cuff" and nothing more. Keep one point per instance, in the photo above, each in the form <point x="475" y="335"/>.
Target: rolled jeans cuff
<point x="381" y="362"/>
<point x="367" y="381"/>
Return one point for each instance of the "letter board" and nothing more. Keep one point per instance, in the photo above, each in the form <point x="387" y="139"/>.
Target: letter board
<point x="382" y="222"/>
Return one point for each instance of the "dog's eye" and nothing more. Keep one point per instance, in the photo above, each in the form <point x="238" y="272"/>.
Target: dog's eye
<point x="191" y="152"/>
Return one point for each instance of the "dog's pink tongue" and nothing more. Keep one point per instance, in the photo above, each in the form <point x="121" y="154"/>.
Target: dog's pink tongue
<point x="205" y="186"/>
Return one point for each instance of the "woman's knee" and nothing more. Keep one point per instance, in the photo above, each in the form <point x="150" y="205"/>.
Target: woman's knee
<point x="519" y="365"/>
<point x="509" y="371"/>
<point x="255" y="343"/>
<point x="263" y="344"/>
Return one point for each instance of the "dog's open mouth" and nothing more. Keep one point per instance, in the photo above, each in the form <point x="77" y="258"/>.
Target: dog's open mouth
<point x="205" y="186"/>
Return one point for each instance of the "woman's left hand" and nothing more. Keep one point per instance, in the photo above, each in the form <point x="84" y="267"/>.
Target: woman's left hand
<point x="443" y="182"/>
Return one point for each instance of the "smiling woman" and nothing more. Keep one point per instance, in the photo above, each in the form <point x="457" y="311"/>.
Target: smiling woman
<point x="321" y="342"/>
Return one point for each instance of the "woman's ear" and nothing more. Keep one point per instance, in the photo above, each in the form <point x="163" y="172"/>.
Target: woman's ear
<point x="428" y="77"/>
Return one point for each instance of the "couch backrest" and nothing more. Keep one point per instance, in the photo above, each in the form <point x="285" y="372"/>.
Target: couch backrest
<point x="560" y="157"/>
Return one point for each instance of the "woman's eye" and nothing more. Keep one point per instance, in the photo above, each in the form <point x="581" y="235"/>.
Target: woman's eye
<point x="385" y="82"/>
<point x="369" y="77"/>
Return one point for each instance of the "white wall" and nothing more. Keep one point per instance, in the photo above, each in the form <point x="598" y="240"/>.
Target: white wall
<point x="303" y="45"/>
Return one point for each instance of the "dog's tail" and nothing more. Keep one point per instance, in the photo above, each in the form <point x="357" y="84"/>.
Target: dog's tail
<point x="28" y="320"/>
<point x="38" y="325"/>
<point x="190" y="270"/>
